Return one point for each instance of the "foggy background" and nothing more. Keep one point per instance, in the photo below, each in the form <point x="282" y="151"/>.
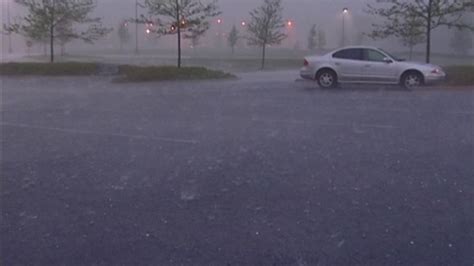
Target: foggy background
<point x="326" y="14"/>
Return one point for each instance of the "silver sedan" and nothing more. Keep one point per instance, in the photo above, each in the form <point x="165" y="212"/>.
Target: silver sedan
<point x="364" y="64"/>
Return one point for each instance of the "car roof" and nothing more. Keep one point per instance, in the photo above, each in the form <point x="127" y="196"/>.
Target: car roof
<point x="357" y="47"/>
<point x="351" y="47"/>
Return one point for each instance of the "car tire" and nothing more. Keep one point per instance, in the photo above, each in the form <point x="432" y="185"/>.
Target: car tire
<point x="411" y="80"/>
<point x="327" y="79"/>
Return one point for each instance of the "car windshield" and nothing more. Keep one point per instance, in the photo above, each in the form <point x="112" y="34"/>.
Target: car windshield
<point x="236" y="132"/>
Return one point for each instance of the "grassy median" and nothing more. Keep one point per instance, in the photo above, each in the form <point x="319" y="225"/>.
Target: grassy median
<point x="160" y="73"/>
<point x="49" y="69"/>
<point x="460" y="75"/>
<point x="125" y="72"/>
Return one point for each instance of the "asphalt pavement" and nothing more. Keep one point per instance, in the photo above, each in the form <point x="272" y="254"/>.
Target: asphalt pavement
<point x="253" y="171"/>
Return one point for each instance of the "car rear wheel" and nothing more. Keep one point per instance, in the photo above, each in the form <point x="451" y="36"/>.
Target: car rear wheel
<point x="412" y="80"/>
<point x="327" y="79"/>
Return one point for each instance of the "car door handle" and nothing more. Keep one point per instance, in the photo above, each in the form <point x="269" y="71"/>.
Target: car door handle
<point x="367" y="65"/>
<point x="337" y="64"/>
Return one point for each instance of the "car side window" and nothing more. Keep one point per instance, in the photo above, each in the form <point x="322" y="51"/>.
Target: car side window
<point x="350" y="54"/>
<point x="373" y="56"/>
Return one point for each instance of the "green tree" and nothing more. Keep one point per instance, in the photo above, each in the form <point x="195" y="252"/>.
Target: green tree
<point x="233" y="38"/>
<point x="123" y="33"/>
<point x="321" y="39"/>
<point x="430" y="13"/>
<point x="64" y="35"/>
<point x="266" y="26"/>
<point x="35" y="34"/>
<point x="189" y="18"/>
<point x="412" y="33"/>
<point x="313" y="38"/>
<point x="52" y="18"/>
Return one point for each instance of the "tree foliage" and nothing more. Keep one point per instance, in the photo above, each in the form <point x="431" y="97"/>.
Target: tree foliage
<point x="233" y="38"/>
<point x="313" y="38"/>
<point x="266" y="26"/>
<point x="425" y="14"/>
<point x="64" y="35"/>
<point x="189" y="18"/>
<point x="48" y="19"/>
<point x="413" y="34"/>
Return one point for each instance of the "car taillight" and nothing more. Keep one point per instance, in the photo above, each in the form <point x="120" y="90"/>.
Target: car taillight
<point x="306" y="63"/>
<point x="436" y="71"/>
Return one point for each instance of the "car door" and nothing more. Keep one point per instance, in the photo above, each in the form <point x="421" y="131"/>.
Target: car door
<point x="349" y="64"/>
<point x="377" y="69"/>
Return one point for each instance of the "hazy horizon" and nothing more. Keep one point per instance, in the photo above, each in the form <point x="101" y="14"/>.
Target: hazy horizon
<point x="327" y="14"/>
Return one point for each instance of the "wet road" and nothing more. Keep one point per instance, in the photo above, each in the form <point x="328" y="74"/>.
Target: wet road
<point x="248" y="172"/>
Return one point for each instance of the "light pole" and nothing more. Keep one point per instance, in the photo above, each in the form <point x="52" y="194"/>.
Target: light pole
<point x="345" y="10"/>
<point x="219" y="33"/>
<point x="10" y="48"/>
<point x="428" y="31"/>
<point x="51" y="31"/>
<point x="289" y="25"/>
<point x="136" y="27"/>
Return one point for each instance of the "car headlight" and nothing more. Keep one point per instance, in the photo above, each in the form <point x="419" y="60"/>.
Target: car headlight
<point x="436" y="71"/>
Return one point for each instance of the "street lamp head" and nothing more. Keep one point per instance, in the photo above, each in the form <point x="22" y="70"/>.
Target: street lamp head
<point x="243" y="23"/>
<point x="345" y="10"/>
<point x="289" y="23"/>
<point x="219" y="21"/>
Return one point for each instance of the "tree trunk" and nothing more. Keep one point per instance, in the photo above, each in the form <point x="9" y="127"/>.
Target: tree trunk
<point x="428" y="32"/>
<point x="179" y="33"/>
<point x="179" y="47"/>
<point x="51" y="39"/>
<point x="263" y="55"/>
<point x="51" y="33"/>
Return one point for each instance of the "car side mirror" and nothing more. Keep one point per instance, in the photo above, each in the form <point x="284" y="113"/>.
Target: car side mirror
<point x="388" y="60"/>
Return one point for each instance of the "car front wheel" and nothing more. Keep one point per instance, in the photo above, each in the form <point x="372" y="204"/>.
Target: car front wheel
<point x="412" y="80"/>
<point x="327" y="79"/>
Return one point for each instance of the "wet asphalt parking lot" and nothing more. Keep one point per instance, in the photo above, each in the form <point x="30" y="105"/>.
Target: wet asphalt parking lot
<point x="256" y="171"/>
